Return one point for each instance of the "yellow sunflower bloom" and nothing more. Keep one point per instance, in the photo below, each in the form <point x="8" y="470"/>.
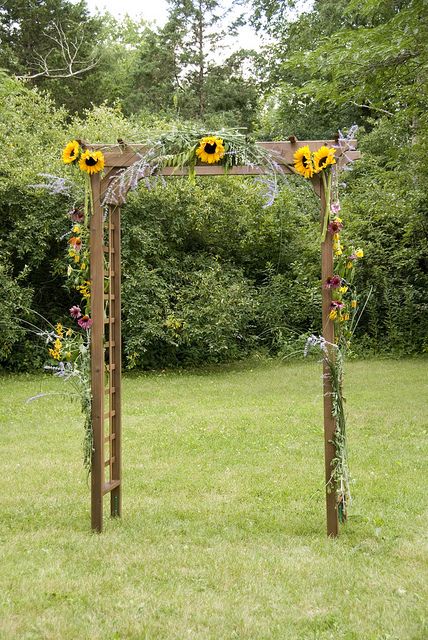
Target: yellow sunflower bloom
<point x="91" y="162"/>
<point x="211" y="149"/>
<point x="71" y="152"/>
<point x="303" y="162"/>
<point x="323" y="158"/>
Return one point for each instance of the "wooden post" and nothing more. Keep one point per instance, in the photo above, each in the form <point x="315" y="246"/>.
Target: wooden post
<point x="97" y="356"/>
<point x="116" y="375"/>
<point x="328" y="334"/>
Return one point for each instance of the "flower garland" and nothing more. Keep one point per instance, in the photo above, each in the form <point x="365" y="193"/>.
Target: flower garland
<point x="310" y="163"/>
<point x="69" y="349"/>
<point x="188" y="148"/>
<point x="344" y="311"/>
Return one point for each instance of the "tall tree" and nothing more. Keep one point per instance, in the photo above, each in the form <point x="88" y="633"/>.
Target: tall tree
<point x="193" y="28"/>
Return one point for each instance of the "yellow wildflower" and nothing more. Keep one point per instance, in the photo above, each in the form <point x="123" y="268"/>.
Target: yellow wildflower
<point x="91" y="162"/>
<point x="343" y="289"/>
<point x="350" y="264"/>
<point x="71" y="152"/>
<point x="333" y="314"/>
<point x="359" y="253"/>
<point x="303" y="162"/>
<point x="353" y="304"/>
<point x="211" y="149"/>
<point x="323" y="158"/>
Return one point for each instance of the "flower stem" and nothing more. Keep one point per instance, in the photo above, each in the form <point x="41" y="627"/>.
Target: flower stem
<point x="327" y="193"/>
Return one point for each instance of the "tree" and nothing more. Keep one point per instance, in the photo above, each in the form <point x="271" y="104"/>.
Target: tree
<point x="51" y="43"/>
<point x="194" y="34"/>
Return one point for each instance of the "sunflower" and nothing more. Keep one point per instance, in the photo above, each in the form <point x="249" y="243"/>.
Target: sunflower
<point x="323" y="158"/>
<point x="92" y="162"/>
<point x="71" y="152"/>
<point x="303" y="162"/>
<point x="211" y="149"/>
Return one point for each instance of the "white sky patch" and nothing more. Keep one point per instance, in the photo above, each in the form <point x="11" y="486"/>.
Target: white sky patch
<point x="151" y="10"/>
<point x="156" y="11"/>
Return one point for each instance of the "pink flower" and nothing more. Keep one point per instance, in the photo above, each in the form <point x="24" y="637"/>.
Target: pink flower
<point x="76" y="215"/>
<point x="333" y="282"/>
<point x="336" y="304"/>
<point x="75" y="312"/>
<point x="335" y="207"/>
<point x="85" y="322"/>
<point x="335" y="226"/>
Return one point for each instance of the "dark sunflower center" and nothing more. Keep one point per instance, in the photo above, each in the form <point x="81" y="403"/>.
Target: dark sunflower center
<point x="210" y="148"/>
<point x="90" y="162"/>
<point x="72" y="153"/>
<point x="323" y="161"/>
<point x="305" y="162"/>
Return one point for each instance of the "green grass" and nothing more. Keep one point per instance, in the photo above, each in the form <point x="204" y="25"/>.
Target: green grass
<point x="223" y="531"/>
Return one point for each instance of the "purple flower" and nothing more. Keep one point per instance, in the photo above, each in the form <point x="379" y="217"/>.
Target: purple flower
<point x="352" y="257"/>
<point x="335" y="207"/>
<point x="336" y="304"/>
<point x="333" y="282"/>
<point x="75" y="312"/>
<point x="85" y="322"/>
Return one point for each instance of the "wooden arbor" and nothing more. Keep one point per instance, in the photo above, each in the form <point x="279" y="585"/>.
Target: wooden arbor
<point x="106" y="372"/>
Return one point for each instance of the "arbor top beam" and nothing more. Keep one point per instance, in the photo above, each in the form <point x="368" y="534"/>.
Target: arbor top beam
<point x="123" y="155"/>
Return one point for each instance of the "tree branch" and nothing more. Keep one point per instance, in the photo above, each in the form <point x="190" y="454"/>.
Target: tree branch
<point x="371" y="107"/>
<point x="69" y="50"/>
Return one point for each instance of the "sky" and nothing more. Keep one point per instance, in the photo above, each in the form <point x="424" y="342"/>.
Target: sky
<point x="153" y="10"/>
<point x="156" y="11"/>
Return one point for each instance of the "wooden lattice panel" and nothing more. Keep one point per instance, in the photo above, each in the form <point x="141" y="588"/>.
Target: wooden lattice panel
<point x="106" y="358"/>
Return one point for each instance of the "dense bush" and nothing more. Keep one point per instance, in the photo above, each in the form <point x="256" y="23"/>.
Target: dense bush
<point x="209" y="274"/>
<point x="387" y="206"/>
<point x="202" y="270"/>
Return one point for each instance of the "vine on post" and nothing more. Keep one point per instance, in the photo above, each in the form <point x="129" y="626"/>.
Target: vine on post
<point x="343" y="312"/>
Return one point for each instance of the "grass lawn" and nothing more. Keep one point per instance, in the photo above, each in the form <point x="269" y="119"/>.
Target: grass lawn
<point x="223" y="534"/>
